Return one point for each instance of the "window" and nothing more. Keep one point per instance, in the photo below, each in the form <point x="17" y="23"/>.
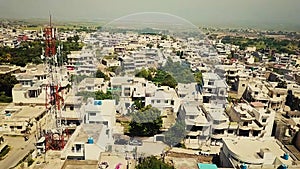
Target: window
<point x="210" y="83"/>
<point x="166" y="101"/>
<point x="255" y="133"/>
<point x="192" y="117"/>
<point x="172" y="102"/>
<point x="71" y="107"/>
<point x="216" y="122"/>
<point x="243" y="85"/>
<point x="152" y="101"/>
<point x="230" y="131"/>
<point x="222" y="92"/>
<point x="92" y="114"/>
<point x="105" y="123"/>
<point x="264" y="120"/>
<point x="158" y="101"/>
<point x="245" y="124"/>
<point x="256" y="93"/>
<point x="278" y="95"/>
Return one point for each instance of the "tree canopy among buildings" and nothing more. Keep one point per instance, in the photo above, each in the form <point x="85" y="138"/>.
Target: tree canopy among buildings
<point x="180" y="71"/>
<point x="7" y="82"/>
<point x="145" y="122"/>
<point x="153" y="163"/>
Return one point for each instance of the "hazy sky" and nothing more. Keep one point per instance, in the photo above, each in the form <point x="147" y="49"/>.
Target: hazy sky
<point x="196" y="11"/>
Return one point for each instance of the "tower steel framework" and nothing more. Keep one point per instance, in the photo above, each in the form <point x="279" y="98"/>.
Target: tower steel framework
<point x="54" y="93"/>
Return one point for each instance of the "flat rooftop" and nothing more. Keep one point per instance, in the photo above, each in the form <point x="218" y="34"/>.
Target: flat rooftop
<point x="18" y="112"/>
<point x="80" y="164"/>
<point x="248" y="149"/>
<point x="89" y="130"/>
<point x="115" y="160"/>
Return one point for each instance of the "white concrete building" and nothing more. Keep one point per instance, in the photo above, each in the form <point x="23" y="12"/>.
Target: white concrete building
<point x="255" y="153"/>
<point x="164" y="98"/>
<point x="189" y="92"/>
<point x="253" y="119"/>
<point x="214" y="88"/>
<point x="100" y="112"/>
<point x="218" y="119"/>
<point x="83" y="62"/>
<point x="129" y="89"/>
<point x="93" y="85"/>
<point x="87" y="142"/>
<point x="197" y="125"/>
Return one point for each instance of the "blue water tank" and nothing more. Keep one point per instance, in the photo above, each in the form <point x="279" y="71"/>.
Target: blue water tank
<point x="90" y="140"/>
<point x="286" y="156"/>
<point x="243" y="166"/>
<point x="283" y="166"/>
<point x="97" y="102"/>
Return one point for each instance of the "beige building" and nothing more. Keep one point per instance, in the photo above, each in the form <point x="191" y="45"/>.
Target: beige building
<point x="93" y="85"/>
<point x="277" y="96"/>
<point x="253" y="119"/>
<point x="255" y="153"/>
<point x="6" y="69"/>
<point x="21" y="120"/>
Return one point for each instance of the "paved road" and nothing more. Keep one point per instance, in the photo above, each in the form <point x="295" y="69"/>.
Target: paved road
<point x="19" y="149"/>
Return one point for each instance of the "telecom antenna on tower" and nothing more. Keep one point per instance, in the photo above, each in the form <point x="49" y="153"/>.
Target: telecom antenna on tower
<point x="54" y="93"/>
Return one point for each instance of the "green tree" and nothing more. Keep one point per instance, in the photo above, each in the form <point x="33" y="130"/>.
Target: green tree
<point x="139" y="104"/>
<point x="180" y="71"/>
<point x="100" y="74"/>
<point x="170" y="81"/>
<point x="76" y="38"/>
<point x="163" y="78"/>
<point x="7" y="82"/>
<point x="199" y="78"/>
<point x="144" y="73"/>
<point x="116" y="69"/>
<point x="153" y="163"/>
<point x="175" y="134"/>
<point x="146" y="122"/>
<point x="100" y="95"/>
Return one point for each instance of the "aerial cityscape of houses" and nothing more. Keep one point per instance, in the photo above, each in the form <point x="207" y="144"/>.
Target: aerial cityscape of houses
<point x="242" y="113"/>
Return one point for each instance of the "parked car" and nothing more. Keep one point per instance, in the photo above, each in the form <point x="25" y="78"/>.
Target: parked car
<point x="135" y="142"/>
<point x="121" y="141"/>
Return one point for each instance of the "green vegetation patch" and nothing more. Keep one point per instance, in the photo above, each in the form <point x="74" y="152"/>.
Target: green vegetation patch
<point x="153" y="163"/>
<point x="276" y="45"/>
<point x="146" y="122"/>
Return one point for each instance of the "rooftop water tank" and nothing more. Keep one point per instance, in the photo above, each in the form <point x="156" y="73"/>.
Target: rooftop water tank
<point x="90" y="140"/>
<point x="286" y="156"/>
<point x="243" y="166"/>
<point x="283" y="166"/>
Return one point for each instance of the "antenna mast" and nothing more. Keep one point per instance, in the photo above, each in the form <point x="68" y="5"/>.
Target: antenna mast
<point x="54" y="93"/>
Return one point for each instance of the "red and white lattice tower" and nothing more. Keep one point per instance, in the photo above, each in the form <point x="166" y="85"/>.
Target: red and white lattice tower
<point x="54" y="97"/>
